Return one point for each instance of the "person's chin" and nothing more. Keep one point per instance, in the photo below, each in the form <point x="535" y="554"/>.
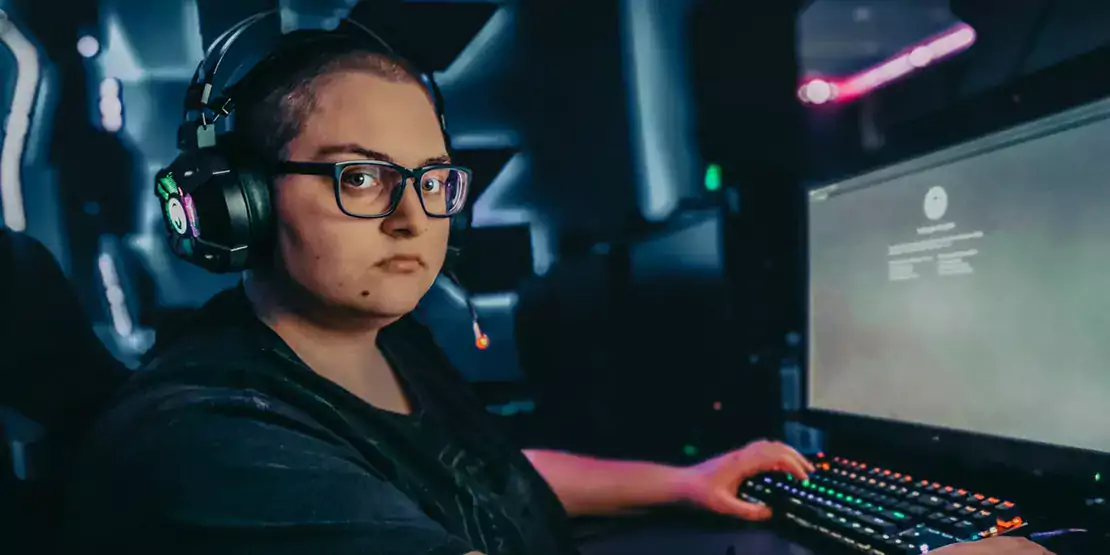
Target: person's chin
<point x="392" y="310"/>
<point x="393" y="297"/>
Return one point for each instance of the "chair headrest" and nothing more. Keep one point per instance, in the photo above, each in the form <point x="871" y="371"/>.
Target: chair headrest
<point x="52" y="360"/>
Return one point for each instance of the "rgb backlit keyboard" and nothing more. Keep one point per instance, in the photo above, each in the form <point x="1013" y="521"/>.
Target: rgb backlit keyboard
<point x="882" y="511"/>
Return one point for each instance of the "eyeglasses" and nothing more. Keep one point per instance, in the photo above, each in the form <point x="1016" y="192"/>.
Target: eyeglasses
<point x="373" y="189"/>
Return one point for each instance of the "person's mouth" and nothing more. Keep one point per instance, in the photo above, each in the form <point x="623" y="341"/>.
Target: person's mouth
<point x="402" y="263"/>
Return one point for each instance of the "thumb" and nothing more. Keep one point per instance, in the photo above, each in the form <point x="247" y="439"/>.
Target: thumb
<point x="744" y="510"/>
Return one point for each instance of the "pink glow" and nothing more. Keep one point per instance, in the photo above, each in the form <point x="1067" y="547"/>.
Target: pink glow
<point x="956" y="39"/>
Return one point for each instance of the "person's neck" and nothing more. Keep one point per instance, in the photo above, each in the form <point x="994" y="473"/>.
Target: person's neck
<point x="330" y="342"/>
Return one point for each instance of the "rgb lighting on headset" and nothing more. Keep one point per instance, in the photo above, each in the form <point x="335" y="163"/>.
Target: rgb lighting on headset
<point x="166" y="187"/>
<point x="180" y="211"/>
<point x="191" y="214"/>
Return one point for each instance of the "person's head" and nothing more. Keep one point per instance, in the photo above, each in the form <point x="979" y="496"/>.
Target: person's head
<point x="310" y="107"/>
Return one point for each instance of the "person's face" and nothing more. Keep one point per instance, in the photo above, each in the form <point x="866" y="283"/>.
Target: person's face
<point x="347" y="262"/>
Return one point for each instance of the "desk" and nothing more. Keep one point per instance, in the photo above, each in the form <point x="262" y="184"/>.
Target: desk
<point x="685" y="539"/>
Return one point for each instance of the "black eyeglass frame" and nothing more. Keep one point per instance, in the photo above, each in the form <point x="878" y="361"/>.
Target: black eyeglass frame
<point x="335" y="171"/>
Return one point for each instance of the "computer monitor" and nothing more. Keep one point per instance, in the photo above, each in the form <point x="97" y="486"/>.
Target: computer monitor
<point x="967" y="290"/>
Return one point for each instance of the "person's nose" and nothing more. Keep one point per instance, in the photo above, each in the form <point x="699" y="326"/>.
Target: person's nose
<point x="409" y="219"/>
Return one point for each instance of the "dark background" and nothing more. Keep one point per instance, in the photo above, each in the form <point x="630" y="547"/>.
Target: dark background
<point x="633" y="308"/>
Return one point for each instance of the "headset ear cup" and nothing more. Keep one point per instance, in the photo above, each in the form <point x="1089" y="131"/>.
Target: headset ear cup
<point x="217" y="210"/>
<point x="255" y="186"/>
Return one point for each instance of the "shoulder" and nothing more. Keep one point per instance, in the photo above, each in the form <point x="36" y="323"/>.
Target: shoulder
<point x="234" y="469"/>
<point x="193" y="409"/>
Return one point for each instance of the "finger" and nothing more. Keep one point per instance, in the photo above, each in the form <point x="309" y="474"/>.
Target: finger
<point x="796" y="456"/>
<point x="786" y="459"/>
<point x="809" y="464"/>
<point x="734" y="506"/>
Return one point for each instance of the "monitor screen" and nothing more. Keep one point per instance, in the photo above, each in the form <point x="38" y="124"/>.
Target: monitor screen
<point x="970" y="289"/>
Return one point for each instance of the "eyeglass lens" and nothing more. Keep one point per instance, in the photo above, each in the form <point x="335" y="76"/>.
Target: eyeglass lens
<point x="370" y="189"/>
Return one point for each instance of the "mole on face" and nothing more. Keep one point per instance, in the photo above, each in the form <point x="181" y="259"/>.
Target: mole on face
<point x="365" y="293"/>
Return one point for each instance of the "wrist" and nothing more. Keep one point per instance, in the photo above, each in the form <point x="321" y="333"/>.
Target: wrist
<point x="682" y="486"/>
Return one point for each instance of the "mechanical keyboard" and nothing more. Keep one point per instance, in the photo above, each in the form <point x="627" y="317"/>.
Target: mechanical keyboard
<point x="881" y="511"/>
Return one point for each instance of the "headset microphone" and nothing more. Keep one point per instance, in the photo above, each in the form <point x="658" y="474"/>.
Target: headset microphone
<point x="481" y="340"/>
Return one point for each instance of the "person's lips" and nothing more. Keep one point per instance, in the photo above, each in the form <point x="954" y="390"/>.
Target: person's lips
<point x="402" y="263"/>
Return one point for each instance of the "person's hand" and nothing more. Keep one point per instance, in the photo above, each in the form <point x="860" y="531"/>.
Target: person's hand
<point x="994" y="546"/>
<point x="712" y="485"/>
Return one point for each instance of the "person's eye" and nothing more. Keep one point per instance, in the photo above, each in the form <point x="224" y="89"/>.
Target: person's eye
<point x="361" y="179"/>
<point x="431" y="185"/>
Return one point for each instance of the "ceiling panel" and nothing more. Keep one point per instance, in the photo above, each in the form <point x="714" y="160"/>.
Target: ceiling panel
<point x="839" y="37"/>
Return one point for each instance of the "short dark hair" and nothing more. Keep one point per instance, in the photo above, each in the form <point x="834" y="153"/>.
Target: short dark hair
<point x="275" y="97"/>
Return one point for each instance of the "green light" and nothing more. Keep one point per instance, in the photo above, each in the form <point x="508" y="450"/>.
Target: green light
<point x="899" y="516"/>
<point x="713" y="177"/>
<point x="840" y="496"/>
<point x="168" y="184"/>
<point x="1098" y="476"/>
<point x="690" y="450"/>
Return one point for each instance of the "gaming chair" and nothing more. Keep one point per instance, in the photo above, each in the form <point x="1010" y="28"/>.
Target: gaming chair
<point x="54" y="376"/>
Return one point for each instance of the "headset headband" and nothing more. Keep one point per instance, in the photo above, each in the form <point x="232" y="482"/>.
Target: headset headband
<point x="200" y="87"/>
<point x="199" y="132"/>
<point x="204" y="77"/>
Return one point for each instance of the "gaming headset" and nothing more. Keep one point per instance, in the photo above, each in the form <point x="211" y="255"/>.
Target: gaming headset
<point x="215" y="198"/>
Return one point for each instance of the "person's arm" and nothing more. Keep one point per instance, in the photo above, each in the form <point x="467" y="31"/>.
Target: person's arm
<point x="588" y="486"/>
<point x="1000" y="545"/>
<point x="230" y="472"/>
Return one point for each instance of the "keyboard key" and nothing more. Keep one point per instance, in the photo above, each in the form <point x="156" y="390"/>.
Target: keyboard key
<point x="899" y="518"/>
<point x="975" y="499"/>
<point x="897" y="546"/>
<point x="984" y="520"/>
<point x="880" y="525"/>
<point x="965" y="530"/>
<point x="1006" y="511"/>
<point x="928" y="537"/>
<point x="931" y="501"/>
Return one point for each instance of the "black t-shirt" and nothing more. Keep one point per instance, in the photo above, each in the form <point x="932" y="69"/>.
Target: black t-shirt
<point x="227" y="443"/>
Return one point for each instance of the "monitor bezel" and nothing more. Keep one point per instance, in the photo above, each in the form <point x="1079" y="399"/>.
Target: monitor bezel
<point x="1002" y="117"/>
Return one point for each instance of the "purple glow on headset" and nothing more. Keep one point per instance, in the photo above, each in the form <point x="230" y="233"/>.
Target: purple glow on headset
<point x="190" y="214"/>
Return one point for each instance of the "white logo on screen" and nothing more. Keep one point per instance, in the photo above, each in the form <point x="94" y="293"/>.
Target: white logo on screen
<point x="936" y="203"/>
<point x="177" y="216"/>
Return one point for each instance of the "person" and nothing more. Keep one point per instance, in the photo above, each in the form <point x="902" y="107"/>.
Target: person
<point x="305" y="411"/>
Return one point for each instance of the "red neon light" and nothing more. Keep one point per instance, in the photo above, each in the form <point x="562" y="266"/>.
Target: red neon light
<point x="956" y="39"/>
